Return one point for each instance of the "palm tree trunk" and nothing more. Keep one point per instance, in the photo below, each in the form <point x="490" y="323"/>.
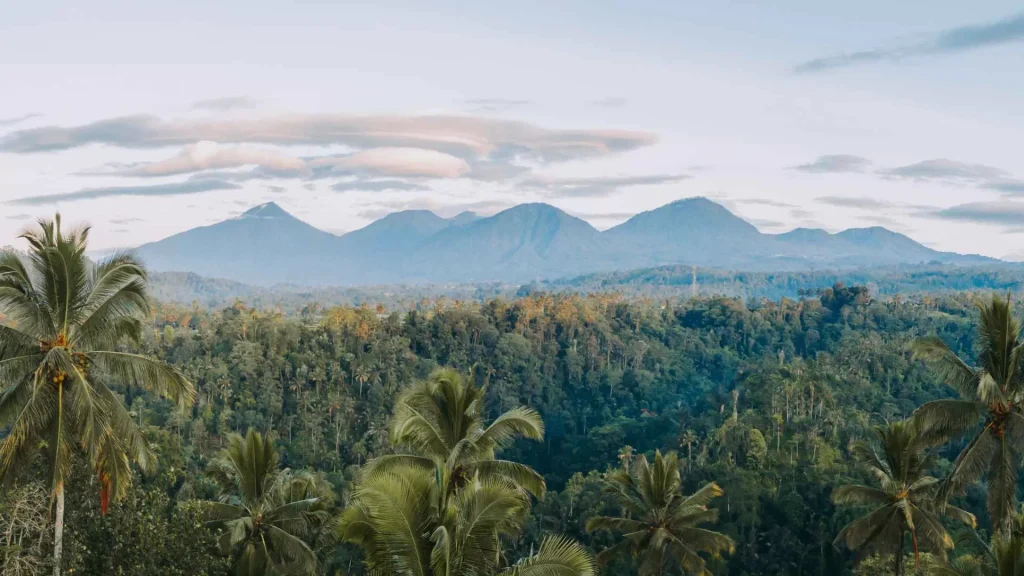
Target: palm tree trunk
<point x="58" y="531"/>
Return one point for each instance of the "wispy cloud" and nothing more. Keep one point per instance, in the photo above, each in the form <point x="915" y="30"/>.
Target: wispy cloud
<point x="1007" y="186"/>
<point x="1003" y="213"/>
<point x="405" y="162"/>
<point x="173" y="189"/>
<point x="125" y="220"/>
<point x="597" y="185"/>
<point x="835" y="164"/>
<point x="379" y="186"/>
<point x="18" y="217"/>
<point x="946" y="171"/>
<point x="18" y="119"/>
<point x="763" y="202"/>
<point x="212" y="156"/>
<point x="950" y="41"/>
<point x="486" y="208"/>
<point x="461" y="136"/>
<point x="224" y="104"/>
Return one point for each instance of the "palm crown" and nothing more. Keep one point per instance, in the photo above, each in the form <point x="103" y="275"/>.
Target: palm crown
<point x="263" y="512"/>
<point x="661" y="525"/>
<point x="440" y="421"/>
<point x="59" y="352"/>
<point x="994" y="392"/>
<point x="902" y="503"/>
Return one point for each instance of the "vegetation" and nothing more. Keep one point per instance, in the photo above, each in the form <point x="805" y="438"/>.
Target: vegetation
<point x="58" y="353"/>
<point x="496" y="431"/>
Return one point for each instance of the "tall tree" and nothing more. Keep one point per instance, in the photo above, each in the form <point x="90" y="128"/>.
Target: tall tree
<point x="263" y="511"/>
<point x="903" y="502"/>
<point x="991" y="392"/>
<point x="59" y="353"/>
<point x="660" y="525"/>
<point x="441" y="424"/>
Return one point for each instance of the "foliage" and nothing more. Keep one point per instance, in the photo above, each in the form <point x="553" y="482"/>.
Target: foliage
<point x="264" y="514"/>
<point x="659" y="524"/>
<point x="993" y="391"/>
<point x="903" y="501"/>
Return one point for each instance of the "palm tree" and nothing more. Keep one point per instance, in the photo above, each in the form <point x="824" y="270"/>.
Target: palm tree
<point x="440" y="420"/>
<point x="59" y="353"/>
<point x="660" y="524"/>
<point x="994" y="392"/>
<point x="263" y="512"/>
<point x="393" y="518"/>
<point x="903" y="501"/>
<point x="1005" y="557"/>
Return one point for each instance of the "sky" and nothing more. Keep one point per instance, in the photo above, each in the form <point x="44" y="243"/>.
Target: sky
<point x="148" y="119"/>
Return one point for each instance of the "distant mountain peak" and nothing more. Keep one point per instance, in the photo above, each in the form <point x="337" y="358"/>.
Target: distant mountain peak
<point x="267" y="210"/>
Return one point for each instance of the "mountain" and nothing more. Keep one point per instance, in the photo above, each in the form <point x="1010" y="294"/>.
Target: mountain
<point x="525" y="243"/>
<point x="264" y="245"/>
<point x="693" y="231"/>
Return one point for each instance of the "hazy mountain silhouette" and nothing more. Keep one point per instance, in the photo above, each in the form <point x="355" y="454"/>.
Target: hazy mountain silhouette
<point x="266" y="245"/>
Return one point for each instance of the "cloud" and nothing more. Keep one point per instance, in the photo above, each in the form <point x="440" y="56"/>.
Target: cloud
<point x="379" y="186"/>
<point x="858" y="202"/>
<point x="801" y="214"/>
<point x="1006" y="186"/>
<point x="764" y="223"/>
<point x="496" y="105"/>
<point x="835" y="164"/>
<point x="19" y="217"/>
<point x="596" y="186"/>
<point x="173" y="189"/>
<point x="212" y="156"/>
<point x="406" y="162"/>
<point x="611" y="102"/>
<point x="485" y="207"/>
<point x="949" y="41"/>
<point x="999" y="213"/>
<point x="224" y="104"/>
<point x="462" y="136"/>
<point x="763" y="202"/>
<point x="124" y="220"/>
<point x="945" y="171"/>
<point x="18" y="119"/>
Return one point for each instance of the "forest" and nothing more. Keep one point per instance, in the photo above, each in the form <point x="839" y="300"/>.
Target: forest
<point x="551" y="433"/>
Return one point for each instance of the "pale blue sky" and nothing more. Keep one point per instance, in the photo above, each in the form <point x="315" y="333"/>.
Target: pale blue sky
<point x="146" y="120"/>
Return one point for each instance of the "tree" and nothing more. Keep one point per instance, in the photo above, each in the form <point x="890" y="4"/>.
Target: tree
<point x="903" y="501"/>
<point x="393" y="519"/>
<point x="660" y="524"/>
<point x="59" y="353"/>
<point x="440" y="420"/>
<point x="263" y="511"/>
<point x="993" y="391"/>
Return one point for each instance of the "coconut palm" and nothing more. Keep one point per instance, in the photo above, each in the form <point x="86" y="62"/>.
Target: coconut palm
<point x="60" y="353"/>
<point x="263" y="512"/>
<point x="440" y="421"/>
<point x="393" y="518"/>
<point x="1005" y="557"/>
<point x="993" y="393"/>
<point x="660" y="525"/>
<point x="903" y="502"/>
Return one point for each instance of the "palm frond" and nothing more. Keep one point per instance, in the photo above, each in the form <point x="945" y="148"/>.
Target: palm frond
<point x="557" y="556"/>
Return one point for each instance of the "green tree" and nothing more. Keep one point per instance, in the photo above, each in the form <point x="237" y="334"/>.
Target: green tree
<point x="263" y="512"/>
<point x="59" y="352"/>
<point x="440" y="421"/>
<point x="660" y="524"/>
<point x="393" y="518"/>
<point x="993" y="391"/>
<point x="903" y="501"/>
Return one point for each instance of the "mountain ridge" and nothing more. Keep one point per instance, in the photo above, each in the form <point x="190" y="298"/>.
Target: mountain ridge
<point x="266" y="245"/>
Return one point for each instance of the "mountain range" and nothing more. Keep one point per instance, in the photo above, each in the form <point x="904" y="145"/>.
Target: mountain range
<point x="266" y="245"/>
